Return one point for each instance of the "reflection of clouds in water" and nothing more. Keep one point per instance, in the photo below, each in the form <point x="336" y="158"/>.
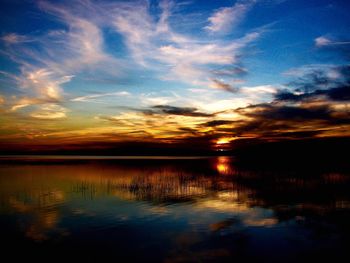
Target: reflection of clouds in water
<point x="42" y="214"/>
<point x="201" y="200"/>
<point x="247" y="215"/>
<point x="159" y="210"/>
<point x="260" y="221"/>
<point x="222" y="205"/>
<point x="160" y="187"/>
<point x="232" y="200"/>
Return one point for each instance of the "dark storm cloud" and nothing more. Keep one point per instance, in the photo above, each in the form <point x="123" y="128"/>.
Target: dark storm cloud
<point x="273" y="112"/>
<point x="311" y="81"/>
<point x="315" y="103"/>
<point x="332" y="82"/>
<point x="339" y="94"/>
<point x="275" y="120"/>
<point x="286" y="95"/>
<point x="334" y="94"/>
<point x="319" y="83"/>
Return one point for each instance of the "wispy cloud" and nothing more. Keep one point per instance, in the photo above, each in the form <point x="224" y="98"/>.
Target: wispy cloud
<point x="49" y="60"/>
<point x="143" y="39"/>
<point x="40" y="86"/>
<point x="169" y="126"/>
<point x="52" y="59"/>
<point x="154" y="44"/>
<point x="83" y="43"/>
<point x="13" y="38"/>
<point x="259" y="90"/>
<point x="324" y="41"/>
<point x="218" y="84"/>
<point x="49" y="112"/>
<point x="188" y="62"/>
<point x="226" y="18"/>
<point x="93" y="97"/>
<point x="43" y="83"/>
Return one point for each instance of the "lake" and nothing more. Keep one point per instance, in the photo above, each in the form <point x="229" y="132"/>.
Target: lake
<point x="167" y="209"/>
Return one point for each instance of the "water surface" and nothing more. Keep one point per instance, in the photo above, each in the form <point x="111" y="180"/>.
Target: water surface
<point x="165" y="209"/>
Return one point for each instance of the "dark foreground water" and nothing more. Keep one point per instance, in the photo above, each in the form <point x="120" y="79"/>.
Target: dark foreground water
<point x="171" y="210"/>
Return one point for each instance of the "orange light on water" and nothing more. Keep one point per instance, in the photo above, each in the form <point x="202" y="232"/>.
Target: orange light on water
<point x="222" y="168"/>
<point x="223" y="165"/>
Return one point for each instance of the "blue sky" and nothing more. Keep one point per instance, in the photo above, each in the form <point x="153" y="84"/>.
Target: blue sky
<point x="112" y="70"/>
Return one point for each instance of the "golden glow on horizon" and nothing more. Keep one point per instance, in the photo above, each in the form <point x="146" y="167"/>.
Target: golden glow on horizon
<point x="225" y="140"/>
<point x="51" y="124"/>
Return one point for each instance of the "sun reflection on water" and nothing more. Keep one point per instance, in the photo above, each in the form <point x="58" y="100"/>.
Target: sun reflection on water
<point x="224" y="166"/>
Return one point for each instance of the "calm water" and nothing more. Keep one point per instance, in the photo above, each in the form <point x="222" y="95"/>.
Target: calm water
<point x="171" y="210"/>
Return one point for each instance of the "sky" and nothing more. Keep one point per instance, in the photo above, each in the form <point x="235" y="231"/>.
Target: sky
<point x="84" y="71"/>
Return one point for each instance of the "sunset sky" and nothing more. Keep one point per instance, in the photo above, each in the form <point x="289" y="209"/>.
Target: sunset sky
<point x="75" y="72"/>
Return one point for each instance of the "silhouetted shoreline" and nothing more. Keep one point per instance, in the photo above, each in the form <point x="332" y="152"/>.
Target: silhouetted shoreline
<point x="319" y="154"/>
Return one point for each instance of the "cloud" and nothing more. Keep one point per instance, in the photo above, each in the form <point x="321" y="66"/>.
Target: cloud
<point x="334" y="94"/>
<point x="323" y="41"/>
<point x="314" y="105"/>
<point x="23" y="102"/>
<point x="40" y="86"/>
<point x="77" y="47"/>
<point x="177" y="125"/>
<point x="172" y="110"/>
<point x="290" y="121"/>
<point x="258" y="90"/>
<point x="216" y="123"/>
<point x="44" y="83"/>
<point x="93" y="97"/>
<point x="218" y="84"/>
<point x="187" y="61"/>
<point x="135" y="23"/>
<point x="53" y="58"/>
<point x="231" y="71"/>
<point x="316" y="79"/>
<point x="13" y="38"/>
<point x="285" y="112"/>
<point x="83" y="42"/>
<point x="226" y="18"/>
<point x="155" y="45"/>
<point x="329" y="70"/>
<point x="49" y="112"/>
<point x="331" y="82"/>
